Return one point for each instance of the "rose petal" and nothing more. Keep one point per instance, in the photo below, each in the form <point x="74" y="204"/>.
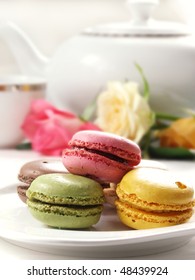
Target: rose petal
<point x="50" y="129"/>
<point x="51" y="139"/>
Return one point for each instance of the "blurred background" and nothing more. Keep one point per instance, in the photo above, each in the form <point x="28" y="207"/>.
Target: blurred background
<point x="50" y="22"/>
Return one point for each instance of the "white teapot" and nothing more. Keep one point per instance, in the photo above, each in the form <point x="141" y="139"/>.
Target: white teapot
<point x="83" y="65"/>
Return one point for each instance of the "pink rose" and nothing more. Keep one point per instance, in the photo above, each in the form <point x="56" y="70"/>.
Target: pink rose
<point x="50" y="129"/>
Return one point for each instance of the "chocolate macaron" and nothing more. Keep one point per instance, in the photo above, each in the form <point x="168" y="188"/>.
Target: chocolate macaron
<point x="32" y="169"/>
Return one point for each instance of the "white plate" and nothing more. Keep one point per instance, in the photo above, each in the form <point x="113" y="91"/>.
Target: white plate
<point x="108" y="239"/>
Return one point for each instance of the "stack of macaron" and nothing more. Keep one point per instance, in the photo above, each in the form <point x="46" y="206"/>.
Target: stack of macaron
<point x="100" y="167"/>
<point x="75" y="200"/>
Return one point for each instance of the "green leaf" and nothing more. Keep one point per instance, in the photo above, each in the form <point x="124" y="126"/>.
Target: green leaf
<point x="165" y="116"/>
<point x="159" y="125"/>
<point x="88" y="112"/>
<point x="24" y="146"/>
<point x="145" y="143"/>
<point x="170" y="153"/>
<point x="145" y="82"/>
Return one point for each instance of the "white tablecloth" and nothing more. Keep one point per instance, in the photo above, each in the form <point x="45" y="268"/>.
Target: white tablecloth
<point x="11" y="161"/>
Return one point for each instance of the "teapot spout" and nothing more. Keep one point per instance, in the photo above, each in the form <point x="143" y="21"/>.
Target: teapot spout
<point x="28" y="58"/>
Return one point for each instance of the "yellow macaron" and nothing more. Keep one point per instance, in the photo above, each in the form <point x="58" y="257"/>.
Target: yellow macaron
<point x="151" y="198"/>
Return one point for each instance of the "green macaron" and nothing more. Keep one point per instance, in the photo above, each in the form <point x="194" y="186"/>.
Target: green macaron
<point x="65" y="200"/>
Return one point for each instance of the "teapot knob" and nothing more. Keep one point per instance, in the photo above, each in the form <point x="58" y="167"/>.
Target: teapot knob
<point x="141" y="10"/>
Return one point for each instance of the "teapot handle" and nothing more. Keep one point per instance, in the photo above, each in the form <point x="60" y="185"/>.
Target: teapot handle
<point x="29" y="59"/>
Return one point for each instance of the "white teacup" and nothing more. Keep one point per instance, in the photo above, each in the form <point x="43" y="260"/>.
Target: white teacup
<point x="16" y="94"/>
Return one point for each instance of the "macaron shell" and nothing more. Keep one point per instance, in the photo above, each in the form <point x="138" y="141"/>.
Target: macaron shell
<point x="155" y="186"/>
<point x="108" y="143"/>
<point x="110" y="195"/>
<point x="65" y="217"/>
<point x="66" y="189"/>
<point x="94" y="165"/>
<point x="21" y="191"/>
<point x="32" y="169"/>
<point x="139" y="219"/>
<point x="110" y="192"/>
<point x="134" y="201"/>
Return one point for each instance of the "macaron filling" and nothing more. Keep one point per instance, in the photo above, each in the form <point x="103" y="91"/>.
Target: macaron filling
<point x="67" y="200"/>
<point x="104" y="154"/>
<point x="68" y="210"/>
<point x="94" y="166"/>
<point x="134" y="201"/>
<point x="65" y="216"/>
<point x="108" y="151"/>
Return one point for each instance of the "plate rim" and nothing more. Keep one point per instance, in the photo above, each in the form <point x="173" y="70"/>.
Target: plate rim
<point x="186" y="230"/>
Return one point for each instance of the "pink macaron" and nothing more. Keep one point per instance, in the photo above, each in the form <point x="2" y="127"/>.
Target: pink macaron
<point x="105" y="157"/>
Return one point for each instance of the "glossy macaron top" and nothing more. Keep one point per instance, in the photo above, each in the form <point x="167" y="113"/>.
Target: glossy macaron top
<point x="32" y="169"/>
<point x="66" y="189"/>
<point x="155" y="186"/>
<point x="107" y="143"/>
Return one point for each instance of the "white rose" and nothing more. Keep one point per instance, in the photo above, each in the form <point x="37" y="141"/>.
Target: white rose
<point x="123" y="111"/>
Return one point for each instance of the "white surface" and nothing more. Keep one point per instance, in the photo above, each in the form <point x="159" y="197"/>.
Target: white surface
<point x="11" y="161"/>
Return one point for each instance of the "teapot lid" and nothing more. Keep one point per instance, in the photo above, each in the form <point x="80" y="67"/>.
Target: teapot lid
<point x="141" y="24"/>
